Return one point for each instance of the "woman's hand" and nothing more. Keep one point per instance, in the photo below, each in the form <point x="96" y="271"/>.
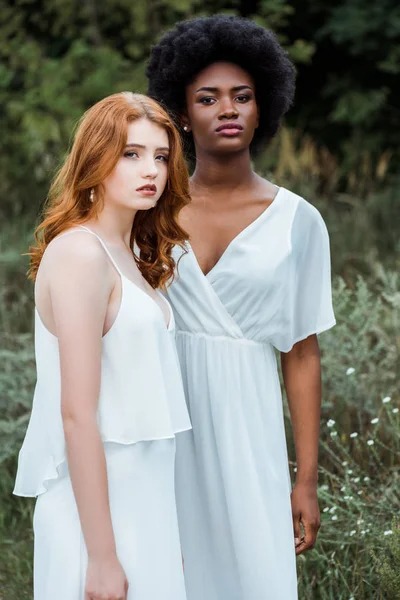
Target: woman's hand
<point x="105" y="580"/>
<point x="305" y="511"/>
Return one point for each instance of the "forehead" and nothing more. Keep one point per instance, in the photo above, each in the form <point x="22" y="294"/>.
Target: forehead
<point x="146" y="133"/>
<point x="222" y="74"/>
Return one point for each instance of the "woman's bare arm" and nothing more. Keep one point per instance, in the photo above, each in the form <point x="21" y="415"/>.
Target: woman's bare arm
<point x="80" y="287"/>
<point x="301" y="370"/>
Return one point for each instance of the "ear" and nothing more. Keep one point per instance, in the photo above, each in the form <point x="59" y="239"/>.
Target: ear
<point x="185" y="123"/>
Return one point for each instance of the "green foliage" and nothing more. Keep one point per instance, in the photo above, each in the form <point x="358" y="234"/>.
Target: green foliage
<point x="352" y="78"/>
<point x="388" y="562"/>
<point x="359" y="487"/>
<point x="59" y="57"/>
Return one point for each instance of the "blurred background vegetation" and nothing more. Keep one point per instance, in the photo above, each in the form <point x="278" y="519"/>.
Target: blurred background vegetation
<point x="339" y="147"/>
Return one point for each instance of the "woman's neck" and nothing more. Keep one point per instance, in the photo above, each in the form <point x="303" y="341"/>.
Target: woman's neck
<point x="114" y="225"/>
<point x="223" y="172"/>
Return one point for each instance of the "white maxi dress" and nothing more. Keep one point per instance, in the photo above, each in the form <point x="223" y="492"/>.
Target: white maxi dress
<point x="270" y="289"/>
<point x="141" y="408"/>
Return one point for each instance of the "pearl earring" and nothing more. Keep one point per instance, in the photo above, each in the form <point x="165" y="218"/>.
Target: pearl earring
<point x="91" y="195"/>
<point x="185" y="128"/>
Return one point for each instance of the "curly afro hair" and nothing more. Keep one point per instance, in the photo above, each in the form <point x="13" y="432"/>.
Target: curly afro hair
<point x="196" y="43"/>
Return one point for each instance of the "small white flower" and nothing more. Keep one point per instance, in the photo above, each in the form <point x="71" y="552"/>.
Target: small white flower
<point x="367" y="530"/>
<point x="356" y="479"/>
<point x="352" y="532"/>
<point x="351" y="598"/>
<point x="344" y="463"/>
<point x="325" y="487"/>
<point x="360" y="521"/>
<point x="363" y="532"/>
<point x="375" y="421"/>
<point x="386" y="399"/>
<point x="350" y="471"/>
<point x="354" y="434"/>
<point x="295" y="469"/>
<point x="333" y="433"/>
<point x="350" y="371"/>
<point x="395" y="411"/>
<point x="334" y="518"/>
<point x="331" y="423"/>
<point x="332" y="509"/>
<point x="326" y="509"/>
<point x="388" y="532"/>
<point x="366" y="478"/>
<point x="343" y="489"/>
<point x="359" y="492"/>
<point x="370" y="442"/>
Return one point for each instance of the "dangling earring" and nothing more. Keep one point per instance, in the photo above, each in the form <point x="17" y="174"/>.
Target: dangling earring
<point x="91" y="195"/>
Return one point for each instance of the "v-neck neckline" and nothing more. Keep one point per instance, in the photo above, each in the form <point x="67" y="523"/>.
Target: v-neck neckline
<point x="168" y="325"/>
<point x="245" y="230"/>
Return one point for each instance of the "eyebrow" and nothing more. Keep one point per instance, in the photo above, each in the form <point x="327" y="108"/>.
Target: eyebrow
<point x="237" y="88"/>
<point x="161" y="149"/>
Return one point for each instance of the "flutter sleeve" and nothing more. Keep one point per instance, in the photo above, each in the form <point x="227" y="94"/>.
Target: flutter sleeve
<point x="308" y="297"/>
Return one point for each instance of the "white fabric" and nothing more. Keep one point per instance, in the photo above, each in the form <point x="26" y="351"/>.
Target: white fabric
<point x="143" y="512"/>
<point x="141" y="407"/>
<point x="271" y="288"/>
<point x="141" y="395"/>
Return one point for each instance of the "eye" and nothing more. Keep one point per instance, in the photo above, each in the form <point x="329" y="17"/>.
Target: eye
<point x="162" y="158"/>
<point x="243" y="98"/>
<point x="207" y="100"/>
<point x="131" y="154"/>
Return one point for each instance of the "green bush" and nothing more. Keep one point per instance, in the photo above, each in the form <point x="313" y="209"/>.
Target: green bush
<point x="388" y="561"/>
<point x="359" y="487"/>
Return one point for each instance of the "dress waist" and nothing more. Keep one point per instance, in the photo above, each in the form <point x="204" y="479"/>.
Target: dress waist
<point x="222" y="338"/>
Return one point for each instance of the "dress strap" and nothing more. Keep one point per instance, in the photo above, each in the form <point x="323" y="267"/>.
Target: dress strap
<point x="82" y="227"/>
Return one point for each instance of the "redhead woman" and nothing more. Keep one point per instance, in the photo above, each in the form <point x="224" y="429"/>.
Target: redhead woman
<point x="255" y="279"/>
<point x="100" y="447"/>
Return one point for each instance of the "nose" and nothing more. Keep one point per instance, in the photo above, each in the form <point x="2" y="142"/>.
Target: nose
<point x="149" y="170"/>
<point x="228" y="109"/>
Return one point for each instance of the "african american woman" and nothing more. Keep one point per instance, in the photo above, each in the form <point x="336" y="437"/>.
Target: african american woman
<point x="255" y="278"/>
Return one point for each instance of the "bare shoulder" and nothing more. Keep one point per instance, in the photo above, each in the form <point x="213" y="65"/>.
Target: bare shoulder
<point x="76" y="247"/>
<point x="76" y="254"/>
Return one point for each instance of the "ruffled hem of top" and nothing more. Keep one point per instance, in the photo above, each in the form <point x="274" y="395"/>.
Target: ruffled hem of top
<point x="55" y="467"/>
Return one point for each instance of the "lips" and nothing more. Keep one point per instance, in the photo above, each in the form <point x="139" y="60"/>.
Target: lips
<point x="227" y="126"/>
<point x="148" y="187"/>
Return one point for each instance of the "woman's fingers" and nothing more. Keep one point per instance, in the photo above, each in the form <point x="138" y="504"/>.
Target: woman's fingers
<point x="310" y="535"/>
<point x="296" y="529"/>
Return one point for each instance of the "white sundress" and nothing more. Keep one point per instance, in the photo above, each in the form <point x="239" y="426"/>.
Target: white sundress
<point x="141" y="408"/>
<point x="270" y="289"/>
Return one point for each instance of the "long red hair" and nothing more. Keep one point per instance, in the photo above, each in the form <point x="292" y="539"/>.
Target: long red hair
<point x="99" y="142"/>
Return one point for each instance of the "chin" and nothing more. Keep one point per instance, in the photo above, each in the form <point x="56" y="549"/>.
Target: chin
<point x="143" y="204"/>
<point x="229" y="145"/>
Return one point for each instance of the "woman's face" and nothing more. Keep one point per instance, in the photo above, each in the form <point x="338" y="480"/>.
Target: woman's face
<point x="222" y="112"/>
<point x="140" y="175"/>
